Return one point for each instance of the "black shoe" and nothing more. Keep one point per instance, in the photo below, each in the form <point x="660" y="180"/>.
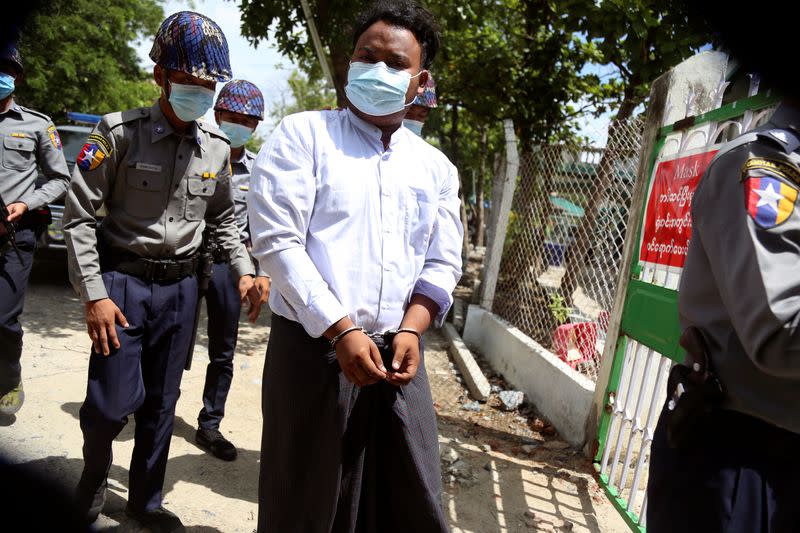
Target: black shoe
<point x="213" y="441"/>
<point x="158" y="521"/>
<point x="90" y="498"/>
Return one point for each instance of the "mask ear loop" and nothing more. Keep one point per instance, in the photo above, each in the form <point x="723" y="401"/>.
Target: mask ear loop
<point x="418" y="74"/>
<point x="167" y="85"/>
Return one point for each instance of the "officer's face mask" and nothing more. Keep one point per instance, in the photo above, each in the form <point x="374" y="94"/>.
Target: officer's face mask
<point x="6" y="85"/>
<point x="376" y="89"/>
<point x="414" y="125"/>
<point x="237" y="133"/>
<point x="190" y="102"/>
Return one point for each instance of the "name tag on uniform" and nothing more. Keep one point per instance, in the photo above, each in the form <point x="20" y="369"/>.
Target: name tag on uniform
<point x="148" y="166"/>
<point x="244" y="188"/>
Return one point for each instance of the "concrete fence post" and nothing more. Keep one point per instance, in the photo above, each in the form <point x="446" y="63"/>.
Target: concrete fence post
<point x="505" y="183"/>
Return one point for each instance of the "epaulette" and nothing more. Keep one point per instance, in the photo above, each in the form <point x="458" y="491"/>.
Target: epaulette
<point x="212" y="130"/>
<point x="118" y="118"/>
<point x="786" y="139"/>
<point x="36" y="113"/>
<point x="735" y="143"/>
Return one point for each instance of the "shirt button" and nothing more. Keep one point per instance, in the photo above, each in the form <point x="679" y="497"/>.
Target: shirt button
<point x="180" y="156"/>
<point x="171" y="219"/>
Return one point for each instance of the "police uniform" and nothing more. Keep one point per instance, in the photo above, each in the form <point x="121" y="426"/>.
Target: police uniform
<point x="224" y="306"/>
<point x="741" y="289"/>
<point x="222" y="297"/>
<point x="159" y="188"/>
<point x="27" y="139"/>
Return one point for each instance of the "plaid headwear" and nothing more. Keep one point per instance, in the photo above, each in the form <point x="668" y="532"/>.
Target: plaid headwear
<point x="240" y="96"/>
<point x="428" y="97"/>
<point x="192" y="43"/>
<point x="11" y="54"/>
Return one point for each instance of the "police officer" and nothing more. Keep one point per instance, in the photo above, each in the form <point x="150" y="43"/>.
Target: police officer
<point x="27" y="139"/>
<point x="421" y="108"/>
<point x="161" y="174"/>
<point x="736" y="468"/>
<point x="239" y="109"/>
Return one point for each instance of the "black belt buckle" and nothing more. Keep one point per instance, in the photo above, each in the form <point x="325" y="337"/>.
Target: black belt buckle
<point x="155" y="270"/>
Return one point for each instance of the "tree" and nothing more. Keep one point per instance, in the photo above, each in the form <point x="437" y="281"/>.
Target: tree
<point x="307" y="94"/>
<point x="642" y="40"/>
<point x="78" y="56"/>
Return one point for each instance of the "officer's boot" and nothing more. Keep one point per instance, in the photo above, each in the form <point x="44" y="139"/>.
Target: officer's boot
<point x="12" y="401"/>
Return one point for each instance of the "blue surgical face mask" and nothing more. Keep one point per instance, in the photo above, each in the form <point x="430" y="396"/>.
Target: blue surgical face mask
<point x="6" y="85"/>
<point x="190" y="102"/>
<point x="377" y="90"/>
<point x="237" y="133"/>
<point x="414" y="125"/>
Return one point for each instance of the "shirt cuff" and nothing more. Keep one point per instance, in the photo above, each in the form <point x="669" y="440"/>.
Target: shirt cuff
<point x="242" y="267"/>
<point x="32" y="200"/>
<point x="442" y="298"/>
<point x="93" y="289"/>
<point x="321" y="314"/>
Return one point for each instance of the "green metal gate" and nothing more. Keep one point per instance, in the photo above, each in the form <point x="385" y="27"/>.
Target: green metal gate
<point x="647" y="338"/>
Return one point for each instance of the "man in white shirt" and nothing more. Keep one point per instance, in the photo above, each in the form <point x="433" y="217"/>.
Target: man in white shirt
<point x="357" y="221"/>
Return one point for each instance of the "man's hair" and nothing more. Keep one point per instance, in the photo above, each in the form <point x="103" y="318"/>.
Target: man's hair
<point x="403" y="14"/>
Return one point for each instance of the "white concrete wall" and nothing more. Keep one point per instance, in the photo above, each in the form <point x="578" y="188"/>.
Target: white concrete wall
<point x="562" y="395"/>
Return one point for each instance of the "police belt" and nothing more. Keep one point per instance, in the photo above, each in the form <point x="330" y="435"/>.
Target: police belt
<point x="152" y="270"/>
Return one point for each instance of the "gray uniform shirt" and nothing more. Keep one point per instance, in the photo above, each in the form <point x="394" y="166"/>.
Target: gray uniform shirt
<point x="741" y="282"/>
<point x="28" y="138"/>
<point x="159" y="189"/>
<point x="240" y="185"/>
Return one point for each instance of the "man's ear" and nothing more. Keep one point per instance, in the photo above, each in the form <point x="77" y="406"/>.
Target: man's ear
<point x="422" y="79"/>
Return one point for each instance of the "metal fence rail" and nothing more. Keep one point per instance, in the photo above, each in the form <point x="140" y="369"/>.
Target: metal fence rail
<point x="563" y="244"/>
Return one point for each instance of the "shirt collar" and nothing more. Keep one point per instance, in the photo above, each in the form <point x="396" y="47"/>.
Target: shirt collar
<point x="14" y="107"/>
<point x="246" y="160"/>
<point x="160" y="127"/>
<point x="373" y="132"/>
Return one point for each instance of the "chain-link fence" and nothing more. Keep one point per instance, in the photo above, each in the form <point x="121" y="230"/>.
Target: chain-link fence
<point x="564" y="244"/>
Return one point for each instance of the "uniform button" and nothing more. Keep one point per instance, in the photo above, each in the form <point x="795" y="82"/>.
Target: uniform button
<point x="180" y="156"/>
<point x="205" y="189"/>
<point x="144" y="184"/>
<point x="171" y="219"/>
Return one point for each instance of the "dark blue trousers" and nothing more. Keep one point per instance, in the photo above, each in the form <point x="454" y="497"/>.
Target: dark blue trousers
<point x="13" y="282"/>
<point x="739" y="476"/>
<point x="142" y="378"/>
<point x="224" y="306"/>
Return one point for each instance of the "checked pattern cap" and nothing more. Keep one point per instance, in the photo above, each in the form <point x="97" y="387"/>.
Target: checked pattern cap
<point x="240" y="96"/>
<point x="428" y="97"/>
<point x="192" y="43"/>
<point x="11" y="53"/>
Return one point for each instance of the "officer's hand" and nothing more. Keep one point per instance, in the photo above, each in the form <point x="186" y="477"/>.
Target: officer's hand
<point x="360" y="359"/>
<point x="101" y="318"/>
<point x="249" y="292"/>
<point x="406" y="359"/>
<point x="16" y="210"/>
<point x="263" y="283"/>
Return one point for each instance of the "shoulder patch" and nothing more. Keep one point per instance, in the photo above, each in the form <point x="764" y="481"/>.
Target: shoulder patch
<point x="769" y="200"/>
<point x="55" y="138"/>
<point x="93" y="153"/>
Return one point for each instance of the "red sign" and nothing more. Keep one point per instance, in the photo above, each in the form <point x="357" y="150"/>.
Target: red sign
<point x="668" y="220"/>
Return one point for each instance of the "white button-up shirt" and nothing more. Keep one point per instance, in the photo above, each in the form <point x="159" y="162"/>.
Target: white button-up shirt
<point x="348" y="228"/>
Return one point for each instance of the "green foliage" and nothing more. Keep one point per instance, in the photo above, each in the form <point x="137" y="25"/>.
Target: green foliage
<point x="307" y="94"/>
<point x="254" y="143"/>
<point x="558" y="308"/>
<point x="78" y="56"/>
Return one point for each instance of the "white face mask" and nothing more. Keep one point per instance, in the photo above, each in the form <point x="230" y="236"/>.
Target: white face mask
<point x="414" y="125"/>
<point x="376" y="89"/>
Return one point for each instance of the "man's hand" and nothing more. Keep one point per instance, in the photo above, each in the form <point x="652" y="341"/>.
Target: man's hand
<point x="406" y="359"/>
<point x="263" y="284"/>
<point x="249" y="292"/>
<point x="101" y="318"/>
<point x="360" y="359"/>
<point x="16" y="210"/>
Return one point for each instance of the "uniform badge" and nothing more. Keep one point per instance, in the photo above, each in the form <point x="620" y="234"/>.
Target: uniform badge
<point x="55" y="138"/>
<point x="91" y="157"/>
<point x="769" y="200"/>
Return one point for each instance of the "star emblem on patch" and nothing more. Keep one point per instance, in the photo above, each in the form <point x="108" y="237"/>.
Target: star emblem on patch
<point x="769" y="200"/>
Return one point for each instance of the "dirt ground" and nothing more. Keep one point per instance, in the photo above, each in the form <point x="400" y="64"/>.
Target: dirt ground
<point x="503" y="471"/>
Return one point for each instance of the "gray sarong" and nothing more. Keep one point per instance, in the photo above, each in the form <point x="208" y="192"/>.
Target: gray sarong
<point x="339" y="458"/>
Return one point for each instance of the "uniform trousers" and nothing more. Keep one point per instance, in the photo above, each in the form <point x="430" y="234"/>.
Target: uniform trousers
<point x="340" y="458"/>
<point x="739" y="475"/>
<point x="142" y="378"/>
<point x="13" y="282"/>
<point x="224" y="306"/>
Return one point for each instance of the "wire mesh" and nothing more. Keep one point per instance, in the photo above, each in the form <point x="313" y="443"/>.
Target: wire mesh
<point x="564" y="243"/>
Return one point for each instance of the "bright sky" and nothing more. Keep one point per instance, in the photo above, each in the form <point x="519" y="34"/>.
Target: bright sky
<point x="263" y="66"/>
